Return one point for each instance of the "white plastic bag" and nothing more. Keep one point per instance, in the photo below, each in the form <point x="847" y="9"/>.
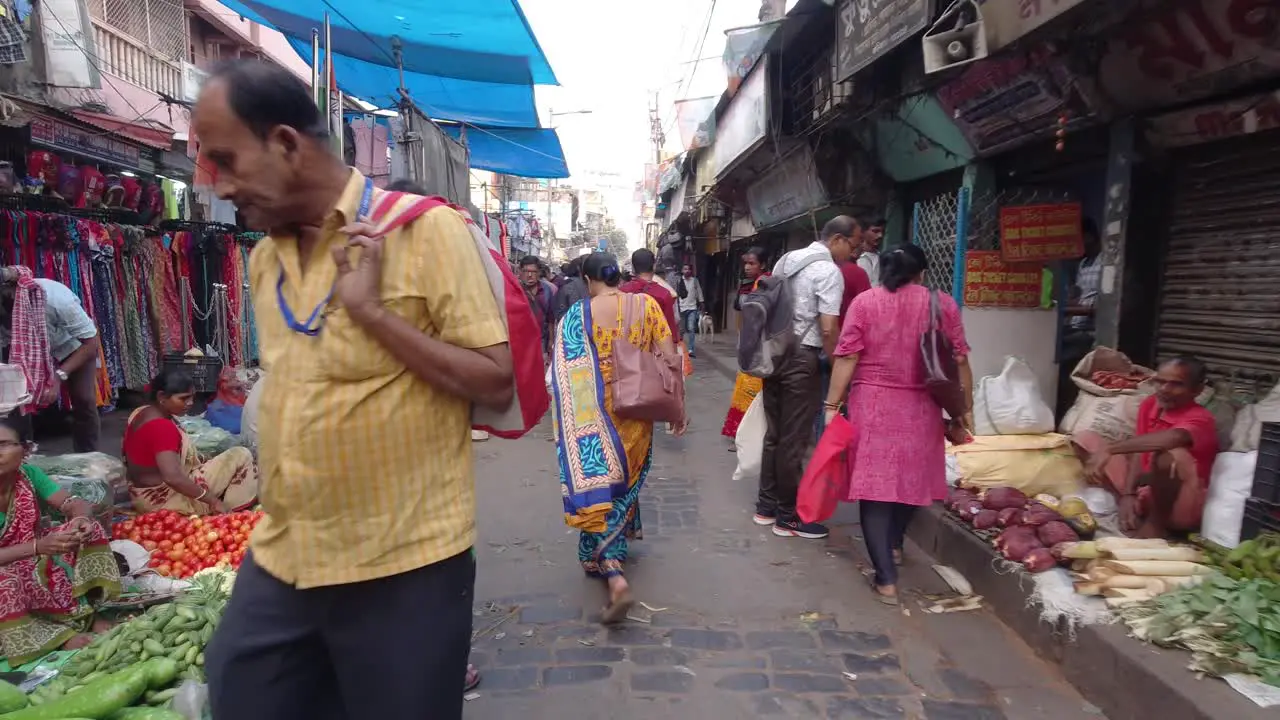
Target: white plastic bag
<point x="750" y="440"/>
<point x="1230" y="484"/>
<point x="1115" y="417"/>
<point x="1247" y="429"/>
<point x="1010" y="403"/>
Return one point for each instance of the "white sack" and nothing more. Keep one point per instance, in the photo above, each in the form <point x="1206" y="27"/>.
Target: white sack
<point x="1229" y="487"/>
<point x="1010" y="403"/>
<point x="750" y="440"/>
<point x="1247" y="429"/>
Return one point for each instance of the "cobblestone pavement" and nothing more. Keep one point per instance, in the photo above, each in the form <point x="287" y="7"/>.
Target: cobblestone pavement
<point x="736" y="623"/>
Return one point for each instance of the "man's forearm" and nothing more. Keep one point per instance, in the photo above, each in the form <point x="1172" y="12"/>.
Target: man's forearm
<point x="465" y="373"/>
<point x="87" y="352"/>
<point x="830" y="326"/>
<point x="1151" y="442"/>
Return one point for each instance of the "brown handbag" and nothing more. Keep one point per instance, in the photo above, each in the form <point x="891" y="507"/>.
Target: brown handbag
<point x="646" y="385"/>
<point x="941" y="373"/>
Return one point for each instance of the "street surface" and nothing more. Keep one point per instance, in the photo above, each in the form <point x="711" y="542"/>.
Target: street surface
<point x="739" y="623"/>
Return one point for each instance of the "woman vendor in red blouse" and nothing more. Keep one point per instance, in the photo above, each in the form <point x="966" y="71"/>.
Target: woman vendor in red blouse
<point x="164" y="469"/>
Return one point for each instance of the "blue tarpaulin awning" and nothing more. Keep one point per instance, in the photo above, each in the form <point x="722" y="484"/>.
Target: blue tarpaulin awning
<point x="472" y="61"/>
<point x="523" y="152"/>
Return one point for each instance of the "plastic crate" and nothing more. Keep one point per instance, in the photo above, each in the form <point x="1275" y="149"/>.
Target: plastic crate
<point x="1259" y="517"/>
<point x="203" y="370"/>
<point x="1266" y="474"/>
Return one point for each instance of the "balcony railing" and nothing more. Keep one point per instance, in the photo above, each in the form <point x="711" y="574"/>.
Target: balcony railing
<point x="130" y="60"/>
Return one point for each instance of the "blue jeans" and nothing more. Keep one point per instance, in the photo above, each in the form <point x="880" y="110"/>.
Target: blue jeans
<point x="689" y="326"/>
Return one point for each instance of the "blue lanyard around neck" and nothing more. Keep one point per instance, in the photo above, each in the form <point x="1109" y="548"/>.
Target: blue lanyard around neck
<point x="311" y="328"/>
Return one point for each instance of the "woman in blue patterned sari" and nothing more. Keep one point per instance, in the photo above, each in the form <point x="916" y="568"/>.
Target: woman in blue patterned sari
<point x="603" y="459"/>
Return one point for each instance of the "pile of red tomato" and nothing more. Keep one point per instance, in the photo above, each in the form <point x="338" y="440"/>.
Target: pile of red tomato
<point x="182" y="545"/>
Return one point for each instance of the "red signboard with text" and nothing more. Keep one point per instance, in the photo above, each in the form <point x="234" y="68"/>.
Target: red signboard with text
<point x="991" y="282"/>
<point x="1041" y="233"/>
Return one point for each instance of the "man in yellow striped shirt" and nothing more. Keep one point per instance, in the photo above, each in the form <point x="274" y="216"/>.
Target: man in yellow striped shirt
<point x="357" y="595"/>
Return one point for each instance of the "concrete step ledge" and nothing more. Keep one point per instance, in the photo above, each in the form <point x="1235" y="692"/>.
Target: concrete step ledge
<point x="1127" y="679"/>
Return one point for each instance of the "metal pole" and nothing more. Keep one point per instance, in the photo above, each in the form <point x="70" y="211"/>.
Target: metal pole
<point x="315" y="66"/>
<point x="328" y="67"/>
<point x="337" y="120"/>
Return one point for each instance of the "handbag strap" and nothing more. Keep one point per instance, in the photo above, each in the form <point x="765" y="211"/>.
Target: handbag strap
<point x="935" y="312"/>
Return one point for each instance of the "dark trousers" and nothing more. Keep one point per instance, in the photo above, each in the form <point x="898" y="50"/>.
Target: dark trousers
<point x="395" y="647"/>
<point x="85" y="422"/>
<point x="884" y="528"/>
<point x="824" y="374"/>
<point x="790" y="400"/>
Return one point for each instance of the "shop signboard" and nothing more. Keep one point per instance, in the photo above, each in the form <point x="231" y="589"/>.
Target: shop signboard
<point x="1245" y="116"/>
<point x="745" y="122"/>
<point x="93" y="144"/>
<point x="1041" y="233"/>
<point x="1003" y="101"/>
<point x="789" y="189"/>
<point x="1191" y="49"/>
<point x="991" y="282"/>
<point x="867" y="29"/>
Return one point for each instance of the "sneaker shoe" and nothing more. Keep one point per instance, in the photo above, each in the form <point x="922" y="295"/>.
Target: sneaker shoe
<point x="795" y="528"/>
<point x="763" y="520"/>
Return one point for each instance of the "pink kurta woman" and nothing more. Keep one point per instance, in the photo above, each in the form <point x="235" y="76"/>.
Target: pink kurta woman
<point x="898" y="461"/>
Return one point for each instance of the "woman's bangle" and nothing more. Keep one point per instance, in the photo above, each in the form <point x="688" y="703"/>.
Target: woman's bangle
<point x="200" y="497"/>
<point x="35" y="548"/>
<point x="63" y="507"/>
<point x="831" y="405"/>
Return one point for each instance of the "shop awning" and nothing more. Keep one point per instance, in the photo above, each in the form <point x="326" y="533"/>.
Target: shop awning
<point x="148" y="135"/>
<point x="467" y="60"/>
<point x="523" y="152"/>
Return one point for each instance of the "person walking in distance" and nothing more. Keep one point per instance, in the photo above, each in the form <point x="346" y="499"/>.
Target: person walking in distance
<point x="792" y="395"/>
<point x="691" y="304"/>
<point x="868" y="253"/>
<point x="642" y="262"/>
<point x="369" y="338"/>
<point x="539" y="295"/>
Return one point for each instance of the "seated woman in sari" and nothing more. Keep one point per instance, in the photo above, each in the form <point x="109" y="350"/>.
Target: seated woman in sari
<point x="49" y="582"/>
<point x="164" y="469"/>
<point x="603" y="458"/>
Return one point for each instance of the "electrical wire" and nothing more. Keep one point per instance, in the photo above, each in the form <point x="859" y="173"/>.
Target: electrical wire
<point x="697" y="54"/>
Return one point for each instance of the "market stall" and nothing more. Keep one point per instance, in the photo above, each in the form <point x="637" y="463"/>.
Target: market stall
<point x="1021" y="487"/>
<point x="151" y="290"/>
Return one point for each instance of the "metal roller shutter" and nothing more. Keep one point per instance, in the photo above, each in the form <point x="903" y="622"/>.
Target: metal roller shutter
<point x="1220" y="296"/>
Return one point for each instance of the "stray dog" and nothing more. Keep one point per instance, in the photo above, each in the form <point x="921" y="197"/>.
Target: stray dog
<point x="706" y="326"/>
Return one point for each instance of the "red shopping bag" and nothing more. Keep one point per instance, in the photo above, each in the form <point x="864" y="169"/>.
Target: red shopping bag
<point x="826" y="479"/>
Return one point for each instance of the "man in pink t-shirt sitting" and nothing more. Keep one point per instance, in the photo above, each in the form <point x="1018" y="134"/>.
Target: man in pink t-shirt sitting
<point x="1164" y="480"/>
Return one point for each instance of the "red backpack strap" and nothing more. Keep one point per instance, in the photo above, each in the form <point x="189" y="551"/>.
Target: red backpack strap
<point x="392" y="210"/>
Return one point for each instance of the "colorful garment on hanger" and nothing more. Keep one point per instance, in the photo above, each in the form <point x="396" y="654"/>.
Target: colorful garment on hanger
<point x="29" y="343"/>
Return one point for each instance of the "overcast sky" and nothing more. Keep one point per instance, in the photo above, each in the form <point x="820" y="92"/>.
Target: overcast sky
<point x="611" y="56"/>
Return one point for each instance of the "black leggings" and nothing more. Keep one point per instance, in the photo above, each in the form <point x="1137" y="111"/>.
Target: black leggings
<point x="884" y="525"/>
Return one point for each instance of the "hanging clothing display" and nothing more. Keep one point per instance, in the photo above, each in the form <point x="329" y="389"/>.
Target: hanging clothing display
<point x="149" y="291"/>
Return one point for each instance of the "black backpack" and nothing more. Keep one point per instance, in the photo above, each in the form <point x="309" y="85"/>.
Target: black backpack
<point x="767" y="313"/>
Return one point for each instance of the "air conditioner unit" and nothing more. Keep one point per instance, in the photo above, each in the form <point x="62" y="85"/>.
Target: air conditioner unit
<point x="958" y="38"/>
<point x="192" y="78"/>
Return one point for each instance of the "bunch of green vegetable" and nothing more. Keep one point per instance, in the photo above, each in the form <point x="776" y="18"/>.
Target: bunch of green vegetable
<point x="1256" y="558"/>
<point x="176" y="632"/>
<point x="1230" y="626"/>
<point x="109" y="696"/>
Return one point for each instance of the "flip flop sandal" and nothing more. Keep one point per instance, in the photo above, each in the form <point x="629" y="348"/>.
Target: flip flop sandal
<point x="473" y="678"/>
<point x="891" y="600"/>
<point x="617" y="611"/>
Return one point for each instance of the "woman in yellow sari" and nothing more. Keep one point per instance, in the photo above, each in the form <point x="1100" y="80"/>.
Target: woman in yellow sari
<point x="746" y="387"/>
<point x="164" y="469"/>
<point x="603" y="459"/>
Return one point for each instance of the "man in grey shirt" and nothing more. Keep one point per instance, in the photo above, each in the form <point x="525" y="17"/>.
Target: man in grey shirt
<point x="73" y="343"/>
